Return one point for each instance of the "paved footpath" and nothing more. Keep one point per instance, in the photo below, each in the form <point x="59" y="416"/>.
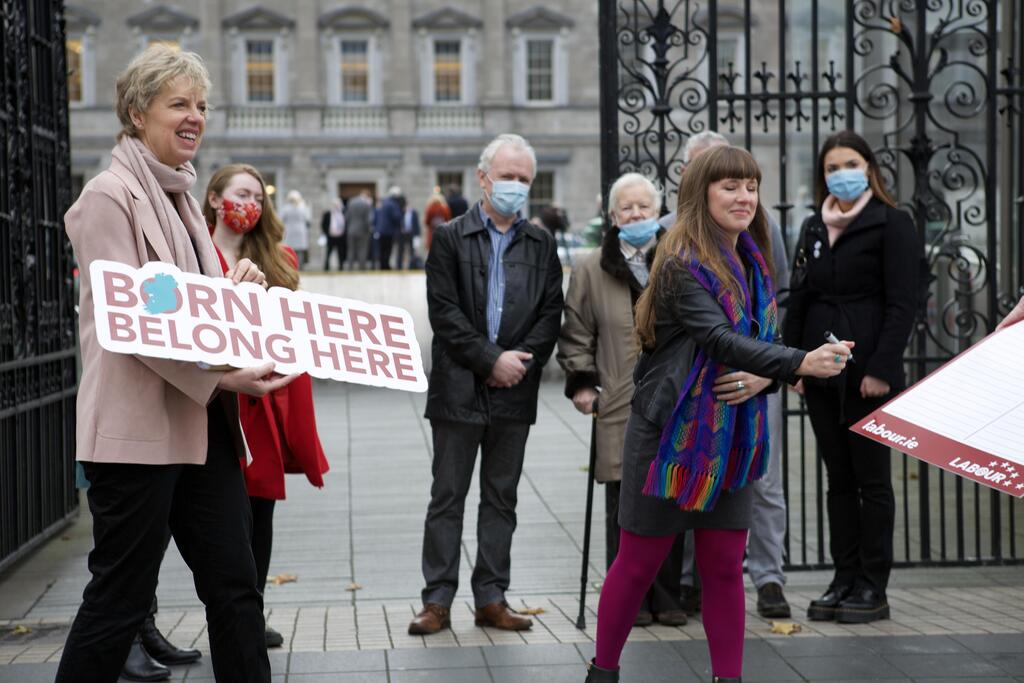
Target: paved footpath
<point x="354" y="551"/>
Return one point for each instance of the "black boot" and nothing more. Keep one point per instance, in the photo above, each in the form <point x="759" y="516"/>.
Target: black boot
<point x="160" y="649"/>
<point x="863" y="605"/>
<point x="141" y="667"/>
<point x="824" y="608"/>
<point x="596" y="674"/>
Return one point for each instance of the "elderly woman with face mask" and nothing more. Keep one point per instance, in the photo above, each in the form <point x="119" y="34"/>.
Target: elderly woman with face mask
<point x="159" y="439"/>
<point x="598" y="351"/>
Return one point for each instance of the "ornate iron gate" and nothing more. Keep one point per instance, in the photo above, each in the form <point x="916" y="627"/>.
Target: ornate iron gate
<point x="37" y="317"/>
<point x="937" y="87"/>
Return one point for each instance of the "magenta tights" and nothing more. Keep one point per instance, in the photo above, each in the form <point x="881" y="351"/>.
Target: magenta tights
<point x="719" y="554"/>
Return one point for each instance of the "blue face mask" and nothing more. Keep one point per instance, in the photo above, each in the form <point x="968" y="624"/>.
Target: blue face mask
<point x="508" y="196"/>
<point x="640" y="233"/>
<point x="847" y="184"/>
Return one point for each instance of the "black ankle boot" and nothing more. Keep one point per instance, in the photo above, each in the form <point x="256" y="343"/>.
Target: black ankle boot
<point x="160" y="649"/>
<point x="141" y="667"/>
<point x="596" y="674"/>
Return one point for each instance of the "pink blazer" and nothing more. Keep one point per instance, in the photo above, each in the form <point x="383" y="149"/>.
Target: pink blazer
<point x="133" y="409"/>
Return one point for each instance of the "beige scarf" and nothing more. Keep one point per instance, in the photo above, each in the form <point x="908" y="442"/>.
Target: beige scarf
<point x="836" y="220"/>
<point x="181" y="223"/>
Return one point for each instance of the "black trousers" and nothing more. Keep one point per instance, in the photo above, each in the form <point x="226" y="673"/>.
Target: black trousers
<point x="339" y="245"/>
<point x="860" y="499"/>
<point x="262" y="537"/>
<point x="207" y="511"/>
<point x="664" y="594"/>
<point x="405" y="249"/>
<point x="384" y="244"/>
<point x="501" y="463"/>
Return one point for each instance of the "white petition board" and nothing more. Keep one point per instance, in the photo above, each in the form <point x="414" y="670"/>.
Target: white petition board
<point x="966" y="417"/>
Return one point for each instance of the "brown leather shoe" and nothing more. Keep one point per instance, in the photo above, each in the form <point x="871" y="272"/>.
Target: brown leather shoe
<point x="431" y="619"/>
<point x="500" y="615"/>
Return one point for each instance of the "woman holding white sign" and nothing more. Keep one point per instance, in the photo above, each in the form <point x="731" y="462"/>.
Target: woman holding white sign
<point x="159" y="439"/>
<point x="280" y="427"/>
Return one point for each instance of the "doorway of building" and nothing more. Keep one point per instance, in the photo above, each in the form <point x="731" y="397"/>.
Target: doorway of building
<point x="348" y="190"/>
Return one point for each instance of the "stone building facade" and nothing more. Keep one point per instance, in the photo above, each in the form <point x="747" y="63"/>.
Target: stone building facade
<point x="327" y="98"/>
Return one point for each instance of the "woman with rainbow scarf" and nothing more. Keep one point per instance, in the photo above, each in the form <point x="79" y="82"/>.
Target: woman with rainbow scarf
<point x="697" y="431"/>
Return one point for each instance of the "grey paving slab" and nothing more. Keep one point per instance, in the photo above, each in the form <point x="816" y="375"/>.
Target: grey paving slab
<point x="843" y="668"/>
<point x="535" y="655"/>
<point x="446" y="675"/>
<point x="358" y="677"/>
<point x="28" y="673"/>
<point x="333" y="662"/>
<point x="992" y="642"/>
<point x="934" y="666"/>
<point x="436" y="658"/>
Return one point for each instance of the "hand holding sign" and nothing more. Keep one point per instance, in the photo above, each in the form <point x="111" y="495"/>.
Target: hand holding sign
<point x="160" y="311"/>
<point x="257" y="382"/>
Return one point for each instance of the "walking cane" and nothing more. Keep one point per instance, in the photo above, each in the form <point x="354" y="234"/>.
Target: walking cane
<point x="581" y="620"/>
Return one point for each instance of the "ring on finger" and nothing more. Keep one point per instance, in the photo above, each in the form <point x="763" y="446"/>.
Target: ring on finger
<point x="838" y="358"/>
<point x="739" y="385"/>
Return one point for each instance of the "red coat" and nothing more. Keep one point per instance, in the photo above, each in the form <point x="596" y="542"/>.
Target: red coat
<point x="280" y="430"/>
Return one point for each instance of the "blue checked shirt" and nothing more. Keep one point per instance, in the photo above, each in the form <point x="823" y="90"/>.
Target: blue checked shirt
<point x="496" y="271"/>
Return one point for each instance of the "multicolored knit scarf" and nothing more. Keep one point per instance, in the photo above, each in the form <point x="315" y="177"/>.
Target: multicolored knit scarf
<point x="707" y="446"/>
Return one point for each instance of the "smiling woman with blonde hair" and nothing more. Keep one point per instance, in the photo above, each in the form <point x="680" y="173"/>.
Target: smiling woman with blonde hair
<point x="159" y="439"/>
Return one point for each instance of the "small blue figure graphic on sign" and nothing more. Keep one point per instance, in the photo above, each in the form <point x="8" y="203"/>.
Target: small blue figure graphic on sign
<point x="160" y="293"/>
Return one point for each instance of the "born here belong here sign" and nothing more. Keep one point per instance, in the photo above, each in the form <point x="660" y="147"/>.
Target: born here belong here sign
<point x="160" y="311"/>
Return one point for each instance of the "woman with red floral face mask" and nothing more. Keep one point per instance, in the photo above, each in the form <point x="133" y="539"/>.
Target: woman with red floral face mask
<point x="280" y="428"/>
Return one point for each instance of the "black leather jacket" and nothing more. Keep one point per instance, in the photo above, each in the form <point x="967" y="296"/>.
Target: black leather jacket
<point x="462" y="354"/>
<point x="688" y="318"/>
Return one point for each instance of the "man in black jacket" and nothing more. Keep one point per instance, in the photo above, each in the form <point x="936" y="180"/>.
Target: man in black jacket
<point x="494" y="292"/>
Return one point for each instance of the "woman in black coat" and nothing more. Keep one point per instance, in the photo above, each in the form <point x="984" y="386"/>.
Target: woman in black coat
<point x="859" y="257"/>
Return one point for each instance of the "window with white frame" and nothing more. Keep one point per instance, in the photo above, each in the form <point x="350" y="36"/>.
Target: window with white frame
<point x="354" y="67"/>
<point x="542" y="192"/>
<point x="540" y="65"/>
<point x="731" y="59"/>
<point x="259" y="70"/>
<point x="540" y="69"/>
<point x="447" y="70"/>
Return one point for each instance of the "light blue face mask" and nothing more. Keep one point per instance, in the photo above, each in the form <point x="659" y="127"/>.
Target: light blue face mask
<point x="508" y="196"/>
<point x="847" y="184"/>
<point x="640" y="233"/>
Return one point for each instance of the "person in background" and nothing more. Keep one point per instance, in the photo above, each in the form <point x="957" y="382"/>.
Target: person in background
<point x="767" y="540"/>
<point x="388" y="222"/>
<point x="457" y="204"/>
<point x="858" y="255"/>
<point x="435" y="215"/>
<point x="407" y="238"/>
<point x="295" y="215"/>
<point x="697" y="436"/>
<point x="598" y="352"/>
<point x="280" y="428"/>
<point x="492" y="335"/>
<point x="332" y="223"/>
<point x="359" y="229"/>
<point x="159" y="439"/>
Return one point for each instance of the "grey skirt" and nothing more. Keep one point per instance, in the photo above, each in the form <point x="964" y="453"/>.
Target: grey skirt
<point x="650" y="516"/>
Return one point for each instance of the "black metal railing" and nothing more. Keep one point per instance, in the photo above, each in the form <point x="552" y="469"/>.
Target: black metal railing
<point x="937" y="87"/>
<point x="37" y="317"/>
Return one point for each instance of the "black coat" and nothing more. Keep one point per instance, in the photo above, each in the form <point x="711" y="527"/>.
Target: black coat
<point x="863" y="288"/>
<point x="689" y="318"/>
<point x="462" y="354"/>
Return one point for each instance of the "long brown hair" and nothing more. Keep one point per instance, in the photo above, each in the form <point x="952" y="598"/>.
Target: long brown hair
<point x="695" y="233"/>
<point x="849" y="139"/>
<point x="261" y="245"/>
